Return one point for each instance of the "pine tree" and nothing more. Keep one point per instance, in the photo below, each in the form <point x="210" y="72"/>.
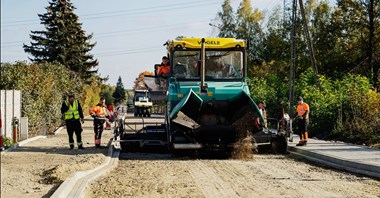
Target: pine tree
<point x="63" y="41"/>
<point x="119" y="94"/>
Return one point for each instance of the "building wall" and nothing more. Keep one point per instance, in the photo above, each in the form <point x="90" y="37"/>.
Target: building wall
<point x="10" y="103"/>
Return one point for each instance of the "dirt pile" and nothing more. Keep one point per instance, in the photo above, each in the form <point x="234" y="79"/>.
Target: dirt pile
<point x="245" y="146"/>
<point x="243" y="149"/>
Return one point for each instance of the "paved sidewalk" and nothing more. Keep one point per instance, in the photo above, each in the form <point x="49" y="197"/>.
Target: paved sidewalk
<point x="350" y="157"/>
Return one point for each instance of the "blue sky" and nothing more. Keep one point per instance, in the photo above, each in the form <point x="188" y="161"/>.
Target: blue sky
<point x="129" y="34"/>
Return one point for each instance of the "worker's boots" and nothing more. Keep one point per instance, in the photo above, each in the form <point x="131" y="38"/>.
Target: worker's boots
<point x="302" y="143"/>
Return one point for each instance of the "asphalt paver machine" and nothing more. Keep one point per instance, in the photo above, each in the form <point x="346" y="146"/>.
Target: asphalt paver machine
<point x="207" y="97"/>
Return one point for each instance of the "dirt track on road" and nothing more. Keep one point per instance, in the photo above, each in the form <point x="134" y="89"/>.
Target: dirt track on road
<point x="159" y="175"/>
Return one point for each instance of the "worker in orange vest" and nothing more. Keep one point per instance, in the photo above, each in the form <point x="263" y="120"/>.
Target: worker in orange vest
<point x="164" y="68"/>
<point x="302" y="113"/>
<point x="99" y="113"/>
<point x="163" y="72"/>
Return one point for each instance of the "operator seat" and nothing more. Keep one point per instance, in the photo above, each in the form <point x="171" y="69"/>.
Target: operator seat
<point x="180" y="70"/>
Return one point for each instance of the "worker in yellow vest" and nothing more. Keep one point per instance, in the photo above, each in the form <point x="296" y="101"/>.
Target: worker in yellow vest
<point x="100" y="113"/>
<point x="73" y="114"/>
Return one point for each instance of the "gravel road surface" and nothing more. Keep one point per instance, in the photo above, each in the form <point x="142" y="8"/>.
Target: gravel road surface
<point x="160" y="175"/>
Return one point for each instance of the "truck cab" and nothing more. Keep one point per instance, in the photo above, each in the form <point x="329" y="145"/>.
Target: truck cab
<point x="142" y="103"/>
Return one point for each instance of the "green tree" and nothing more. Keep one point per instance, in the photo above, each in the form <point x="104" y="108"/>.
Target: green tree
<point x="324" y="40"/>
<point x="107" y="92"/>
<point x="119" y="94"/>
<point x="43" y="87"/>
<point x="63" y="41"/>
<point x="275" y="47"/>
<point x="248" y="27"/>
<point x="276" y="41"/>
<point x="226" y="21"/>
<point x="358" y="26"/>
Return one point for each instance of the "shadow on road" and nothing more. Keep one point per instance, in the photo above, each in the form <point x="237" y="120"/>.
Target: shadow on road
<point x="60" y="150"/>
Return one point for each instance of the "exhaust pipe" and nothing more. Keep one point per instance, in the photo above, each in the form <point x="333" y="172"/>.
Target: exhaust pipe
<point x="203" y="86"/>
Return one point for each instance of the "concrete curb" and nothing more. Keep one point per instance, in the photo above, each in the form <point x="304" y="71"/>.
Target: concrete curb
<point x="59" y="130"/>
<point x="339" y="163"/>
<point x="13" y="147"/>
<point x="22" y="143"/>
<point x="76" y="184"/>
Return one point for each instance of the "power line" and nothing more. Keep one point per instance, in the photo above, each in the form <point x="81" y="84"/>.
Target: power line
<point x="115" y="33"/>
<point x="270" y="7"/>
<point x="168" y="7"/>
<point x="157" y="9"/>
<point x="110" y="12"/>
<point x="144" y="30"/>
<point x="129" y="52"/>
<point x="272" y="4"/>
<point x="122" y="13"/>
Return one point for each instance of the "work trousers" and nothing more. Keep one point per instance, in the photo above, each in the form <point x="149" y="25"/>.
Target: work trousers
<point x="302" y="128"/>
<point x="74" y="126"/>
<point x="98" y="129"/>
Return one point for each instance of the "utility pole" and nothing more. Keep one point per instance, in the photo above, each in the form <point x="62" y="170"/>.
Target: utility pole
<point x="293" y="58"/>
<point x="309" y="42"/>
<point x="293" y="51"/>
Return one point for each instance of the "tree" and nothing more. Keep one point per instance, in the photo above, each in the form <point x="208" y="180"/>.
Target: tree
<point x="249" y="28"/>
<point x="63" y="40"/>
<point x="324" y="39"/>
<point x="43" y="87"/>
<point x="276" y="42"/>
<point x="139" y="81"/>
<point x="226" y="18"/>
<point x="358" y="22"/>
<point x="107" y="92"/>
<point x="119" y="94"/>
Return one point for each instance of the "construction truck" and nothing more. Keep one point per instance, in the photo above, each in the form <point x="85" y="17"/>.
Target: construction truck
<point x="208" y="103"/>
<point x="142" y="103"/>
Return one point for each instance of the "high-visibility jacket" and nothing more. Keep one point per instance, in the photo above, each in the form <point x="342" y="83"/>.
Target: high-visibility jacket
<point x="164" y="70"/>
<point x="73" y="110"/>
<point x="301" y="110"/>
<point x="99" y="110"/>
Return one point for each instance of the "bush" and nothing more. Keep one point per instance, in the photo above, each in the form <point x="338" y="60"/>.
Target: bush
<point x="360" y="121"/>
<point x="273" y="91"/>
<point x="43" y="87"/>
<point x="90" y="96"/>
<point x="344" y="109"/>
<point x="324" y="102"/>
<point x="8" y="142"/>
